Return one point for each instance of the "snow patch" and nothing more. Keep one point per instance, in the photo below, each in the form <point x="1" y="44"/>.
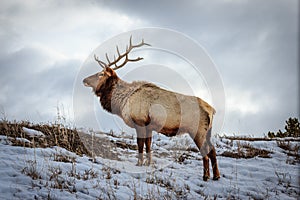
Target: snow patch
<point x="33" y="133"/>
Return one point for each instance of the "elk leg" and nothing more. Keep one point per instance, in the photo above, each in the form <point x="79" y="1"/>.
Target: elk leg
<point x="213" y="158"/>
<point x="203" y="146"/>
<point x="141" y="138"/>
<point x="140" y="142"/>
<point x="206" y="174"/>
<point x="148" y="147"/>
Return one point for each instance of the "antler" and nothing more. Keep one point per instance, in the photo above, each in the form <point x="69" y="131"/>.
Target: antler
<point x="120" y="56"/>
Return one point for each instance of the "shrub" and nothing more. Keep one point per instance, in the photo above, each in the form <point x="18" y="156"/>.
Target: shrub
<point x="292" y="129"/>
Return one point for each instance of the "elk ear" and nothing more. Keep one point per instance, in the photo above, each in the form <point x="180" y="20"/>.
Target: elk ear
<point x="109" y="72"/>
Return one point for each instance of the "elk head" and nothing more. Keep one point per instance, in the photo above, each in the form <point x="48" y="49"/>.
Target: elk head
<point x="100" y="78"/>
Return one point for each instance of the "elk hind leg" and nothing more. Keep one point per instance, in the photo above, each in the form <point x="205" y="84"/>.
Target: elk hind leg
<point x="206" y="174"/>
<point x="213" y="158"/>
<point x="148" y="141"/>
<point x="200" y="141"/>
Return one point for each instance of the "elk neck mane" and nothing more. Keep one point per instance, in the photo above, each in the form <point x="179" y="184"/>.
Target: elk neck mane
<point x="115" y="92"/>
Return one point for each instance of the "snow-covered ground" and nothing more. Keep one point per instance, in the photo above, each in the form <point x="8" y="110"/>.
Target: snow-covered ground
<point x="55" y="173"/>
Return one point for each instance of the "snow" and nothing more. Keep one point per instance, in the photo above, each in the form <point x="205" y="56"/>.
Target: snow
<point x="36" y="173"/>
<point x="33" y="133"/>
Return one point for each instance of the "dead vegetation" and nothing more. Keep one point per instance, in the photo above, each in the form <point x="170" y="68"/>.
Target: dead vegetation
<point x="245" y="150"/>
<point x="55" y="135"/>
<point x="292" y="151"/>
<point x="253" y="139"/>
<point x="173" y="191"/>
<point x="61" y="136"/>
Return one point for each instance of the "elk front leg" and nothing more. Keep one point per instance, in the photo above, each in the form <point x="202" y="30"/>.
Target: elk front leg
<point x="148" y="147"/>
<point x="140" y="142"/>
<point x="141" y="138"/>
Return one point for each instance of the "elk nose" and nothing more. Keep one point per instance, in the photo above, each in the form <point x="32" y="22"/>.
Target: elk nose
<point x="85" y="82"/>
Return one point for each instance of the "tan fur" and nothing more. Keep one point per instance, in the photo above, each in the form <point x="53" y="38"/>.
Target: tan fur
<point x="147" y="107"/>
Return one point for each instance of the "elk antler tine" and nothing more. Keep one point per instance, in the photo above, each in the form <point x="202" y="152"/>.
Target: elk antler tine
<point x="107" y="58"/>
<point x="102" y="64"/>
<point x="122" y="56"/>
<point x="130" y="41"/>
<point x="145" y="43"/>
<point x="137" y="59"/>
<point x="118" y="51"/>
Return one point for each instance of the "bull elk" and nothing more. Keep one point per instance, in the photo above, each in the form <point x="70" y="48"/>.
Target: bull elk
<point x="147" y="107"/>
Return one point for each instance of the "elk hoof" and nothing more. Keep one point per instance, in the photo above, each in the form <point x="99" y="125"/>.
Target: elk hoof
<point x="139" y="163"/>
<point x="205" y="178"/>
<point x="216" y="178"/>
<point x="147" y="163"/>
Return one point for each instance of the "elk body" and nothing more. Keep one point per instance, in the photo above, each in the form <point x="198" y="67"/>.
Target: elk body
<point x="147" y="107"/>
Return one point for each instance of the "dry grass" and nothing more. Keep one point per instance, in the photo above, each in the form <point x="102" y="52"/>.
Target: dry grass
<point x="55" y="135"/>
<point x="180" y="159"/>
<point x="31" y="170"/>
<point x="292" y="151"/>
<point x="124" y="145"/>
<point x="173" y="191"/>
<point x="247" y="151"/>
<point x="59" y="135"/>
<point x="286" y="145"/>
<point x="64" y="158"/>
<point x="252" y="139"/>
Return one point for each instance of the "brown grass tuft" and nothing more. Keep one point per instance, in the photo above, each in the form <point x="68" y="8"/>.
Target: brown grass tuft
<point x="247" y="151"/>
<point x="55" y="135"/>
<point x="292" y="151"/>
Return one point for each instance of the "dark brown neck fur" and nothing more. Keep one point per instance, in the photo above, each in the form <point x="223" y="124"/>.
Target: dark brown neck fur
<point x="105" y="92"/>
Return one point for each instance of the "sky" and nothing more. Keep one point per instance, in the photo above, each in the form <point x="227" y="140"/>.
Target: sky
<point x="253" y="44"/>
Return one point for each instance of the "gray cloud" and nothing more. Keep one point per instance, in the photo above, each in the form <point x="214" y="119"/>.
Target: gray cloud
<point x="31" y="87"/>
<point x="253" y="43"/>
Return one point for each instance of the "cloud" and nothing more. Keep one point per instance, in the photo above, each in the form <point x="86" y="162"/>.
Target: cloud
<point x="43" y="45"/>
<point x="34" y="83"/>
<point x="253" y="43"/>
<point x="72" y="28"/>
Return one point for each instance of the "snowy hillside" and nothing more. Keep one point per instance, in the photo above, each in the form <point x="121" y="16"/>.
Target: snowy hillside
<point x="33" y="166"/>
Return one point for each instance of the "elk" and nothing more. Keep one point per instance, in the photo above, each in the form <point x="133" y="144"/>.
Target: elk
<point x="147" y="107"/>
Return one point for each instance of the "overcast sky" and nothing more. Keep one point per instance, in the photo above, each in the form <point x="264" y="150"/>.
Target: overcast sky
<point x="254" y="45"/>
